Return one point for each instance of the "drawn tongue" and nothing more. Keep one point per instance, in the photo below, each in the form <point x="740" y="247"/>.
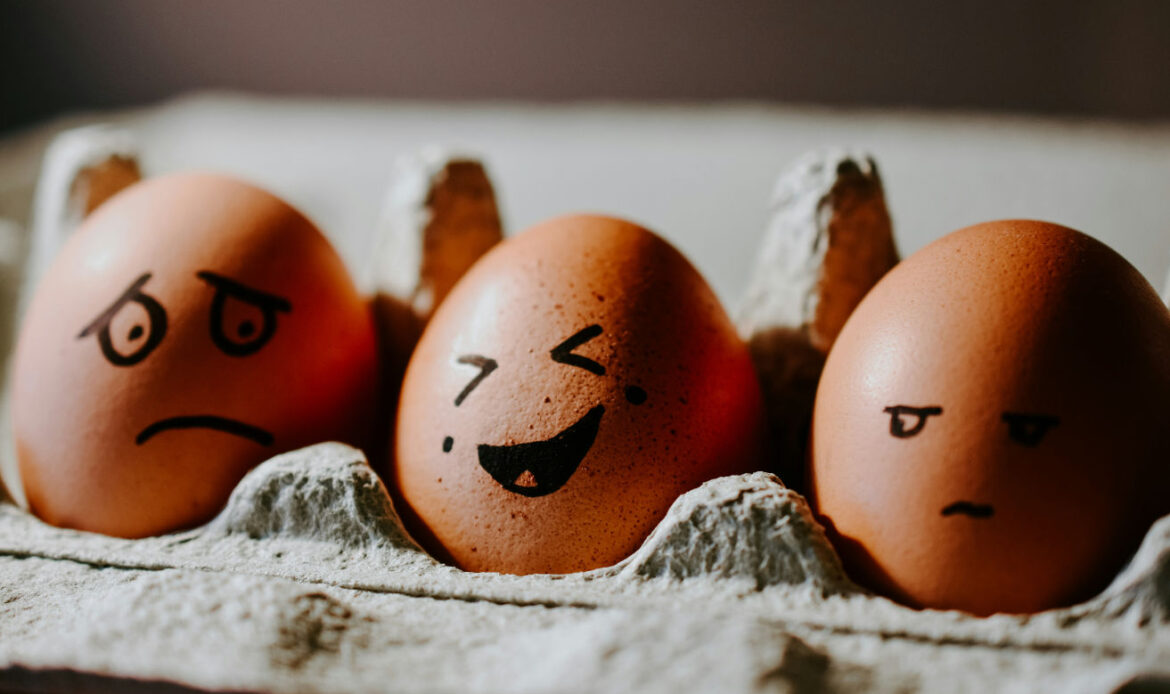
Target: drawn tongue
<point x="526" y="479"/>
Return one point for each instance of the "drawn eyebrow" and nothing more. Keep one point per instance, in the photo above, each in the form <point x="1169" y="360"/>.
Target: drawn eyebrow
<point x="244" y="292"/>
<point x="486" y="366"/>
<point x="267" y="304"/>
<point x="563" y="353"/>
<point x="155" y="312"/>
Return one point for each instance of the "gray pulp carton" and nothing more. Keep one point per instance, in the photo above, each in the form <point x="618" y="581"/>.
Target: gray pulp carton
<point x="307" y="582"/>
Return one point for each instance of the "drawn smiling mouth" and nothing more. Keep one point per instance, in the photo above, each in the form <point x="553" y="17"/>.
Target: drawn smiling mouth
<point x="968" y="508"/>
<point x="538" y="468"/>
<point x="206" y="421"/>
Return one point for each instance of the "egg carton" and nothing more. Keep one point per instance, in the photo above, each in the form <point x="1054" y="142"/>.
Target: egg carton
<point x="307" y="582"/>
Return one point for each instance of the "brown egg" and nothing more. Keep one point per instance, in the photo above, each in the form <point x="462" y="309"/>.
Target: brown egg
<point x="989" y="432"/>
<point x="192" y="327"/>
<point x="577" y="380"/>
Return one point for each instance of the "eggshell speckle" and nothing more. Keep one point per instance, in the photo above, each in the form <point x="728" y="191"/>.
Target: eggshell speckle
<point x="989" y="431"/>
<point x="191" y="328"/>
<point x="577" y="380"/>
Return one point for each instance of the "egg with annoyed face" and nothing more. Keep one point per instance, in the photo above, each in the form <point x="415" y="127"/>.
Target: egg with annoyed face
<point x="575" y="382"/>
<point x="192" y="327"/>
<point x="989" y="430"/>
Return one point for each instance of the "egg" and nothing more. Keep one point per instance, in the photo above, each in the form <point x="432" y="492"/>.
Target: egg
<point x="989" y="430"/>
<point x="574" y="383"/>
<point x="191" y="327"/>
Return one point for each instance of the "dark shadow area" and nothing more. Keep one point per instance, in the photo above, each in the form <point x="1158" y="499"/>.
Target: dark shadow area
<point x="789" y="369"/>
<point x="22" y="680"/>
<point x="1146" y="684"/>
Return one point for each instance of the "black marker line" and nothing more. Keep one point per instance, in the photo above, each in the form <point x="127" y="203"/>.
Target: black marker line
<point x="486" y="366"/>
<point x="206" y="421"/>
<point x="154" y="311"/>
<point x="267" y="304"/>
<point x="1029" y="429"/>
<point x="898" y="429"/>
<point x="635" y="395"/>
<point x="551" y="462"/>
<point x="562" y="353"/>
<point x="244" y="292"/>
<point x="968" y="508"/>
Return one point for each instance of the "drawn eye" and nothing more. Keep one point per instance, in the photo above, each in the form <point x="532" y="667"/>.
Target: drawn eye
<point x="563" y="353"/>
<point x="898" y="427"/>
<point x="486" y="366"/>
<point x="1029" y="429"/>
<point x="235" y="312"/>
<point x="138" y="342"/>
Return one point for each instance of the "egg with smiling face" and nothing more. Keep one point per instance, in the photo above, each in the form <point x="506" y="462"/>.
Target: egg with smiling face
<point x="989" y="429"/>
<point x="575" y="382"/>
<point x="192" y="327"/>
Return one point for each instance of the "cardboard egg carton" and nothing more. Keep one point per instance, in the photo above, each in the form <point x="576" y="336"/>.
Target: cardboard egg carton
<point x="307" y="582"/>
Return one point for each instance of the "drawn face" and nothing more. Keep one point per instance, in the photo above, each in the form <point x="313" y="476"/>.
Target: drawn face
<point x="193" y="327"/>
<point x="1022" y="428"/>
<point x="574" y="383"/>
<point x="537" y="468"/>
<point x="986" y="425"/>
<point x="241" y="339"/>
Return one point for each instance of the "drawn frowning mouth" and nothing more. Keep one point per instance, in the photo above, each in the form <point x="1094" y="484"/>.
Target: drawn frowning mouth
<point x="538" y="468"/>
<point x="968" y="508"/>
<point x="206" y="421"/>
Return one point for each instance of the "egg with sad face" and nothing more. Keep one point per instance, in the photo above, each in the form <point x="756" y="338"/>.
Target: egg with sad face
<point x="191" y="328"/>
<point x="577" y="381"/>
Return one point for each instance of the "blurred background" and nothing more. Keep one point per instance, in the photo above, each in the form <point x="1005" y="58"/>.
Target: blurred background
<point x="677" y="114"/>
<point x="1077" y="57"/>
